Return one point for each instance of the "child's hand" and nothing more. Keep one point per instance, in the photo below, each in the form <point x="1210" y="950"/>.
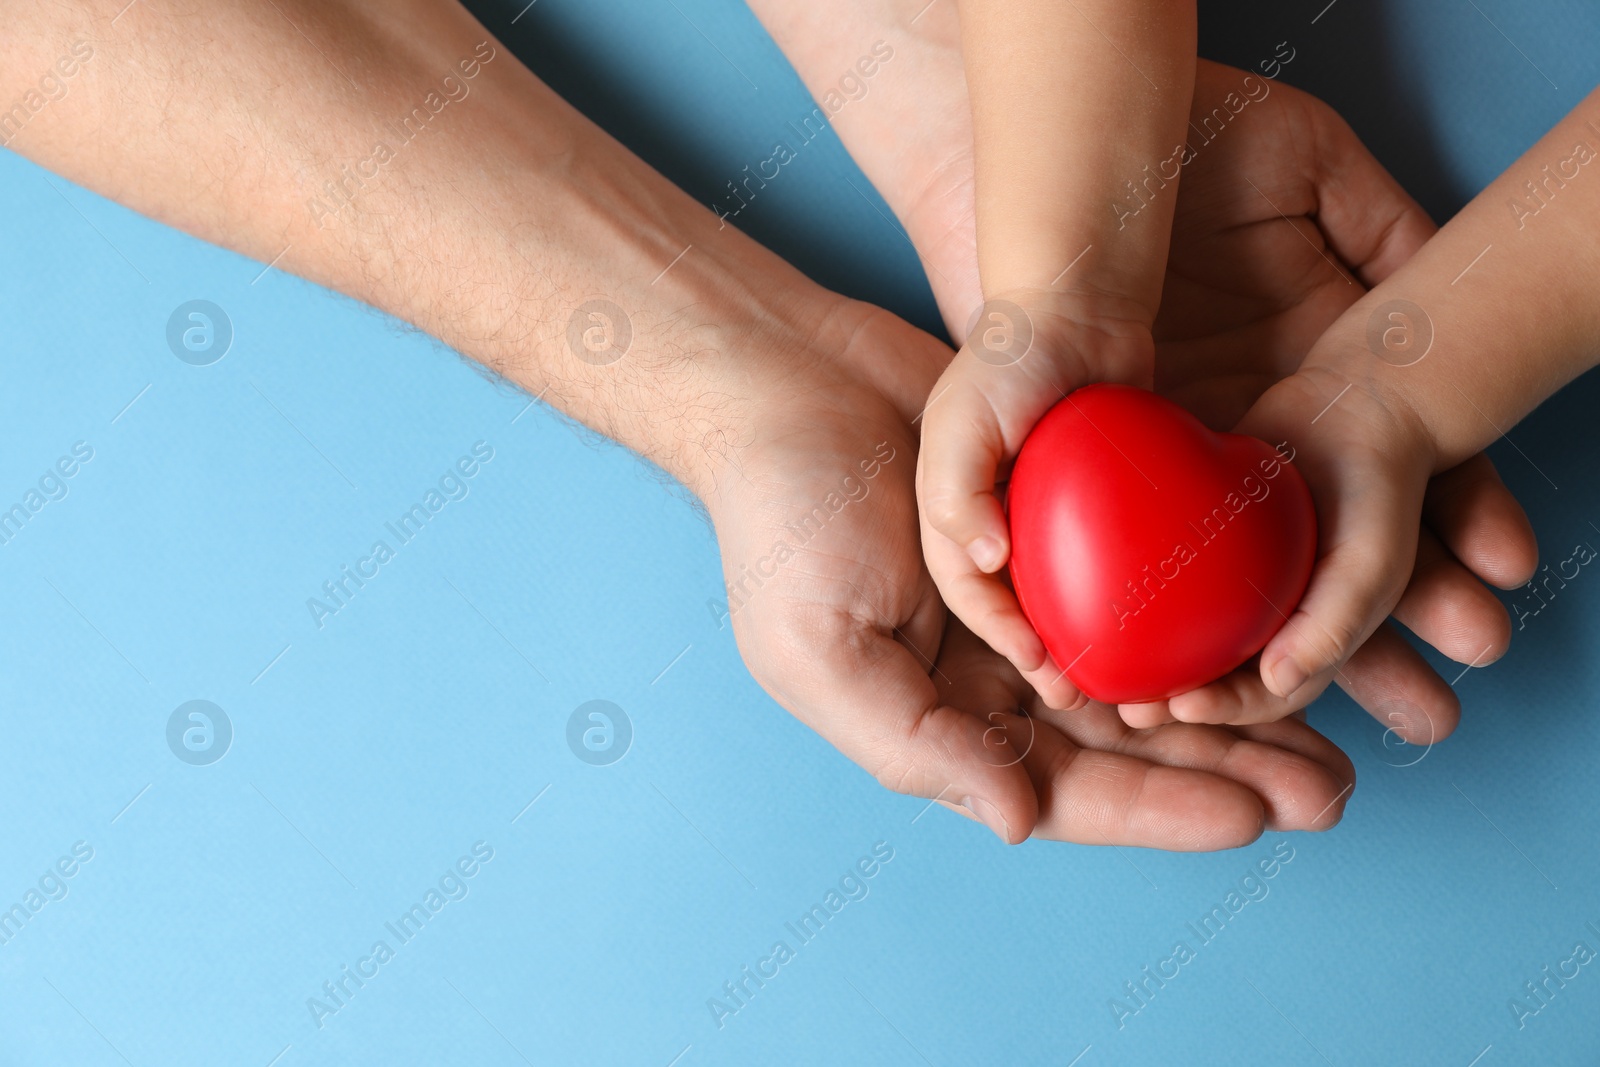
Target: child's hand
<point x="1022" y="356"/>
<point x="1069" y="103"/>
<point x="1368" y="457"/>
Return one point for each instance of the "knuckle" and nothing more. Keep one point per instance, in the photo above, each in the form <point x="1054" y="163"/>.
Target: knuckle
<point x="903" y="759"/>
<point x="1341" y="638"/>
<point x="947" y="511"/>
<point x="895" y="771"/>
<point x="1334" y="636"/>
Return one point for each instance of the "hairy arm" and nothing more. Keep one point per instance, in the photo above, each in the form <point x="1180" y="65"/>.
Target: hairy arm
<point x="489" y="221"/>
<point x="395" y="152"/>
<point x="392" y="150"/>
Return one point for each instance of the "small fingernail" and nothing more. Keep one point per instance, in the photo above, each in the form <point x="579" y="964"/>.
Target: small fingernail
<point x="987" y="553"/>
<point x="990" y="816"/>
<point x="1287" y="676"/>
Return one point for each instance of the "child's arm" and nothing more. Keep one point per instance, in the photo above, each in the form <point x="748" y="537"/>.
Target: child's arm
<point x="1079" y="110"/>
<point x="1076" y="107"/>
<point x="1497" y="312"/>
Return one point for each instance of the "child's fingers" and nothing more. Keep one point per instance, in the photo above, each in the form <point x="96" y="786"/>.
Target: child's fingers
<point x="963" y="446"/>
<point x="1482" y="524"/>
<point x="998" y="386"/>
<point x="1239" y="698"/>
<point x="973" y="422"/>
<point x="1397" y="687"/>
<point x="1146" y="716"/>
<point x="982" y="408"/>
<point x="986" y="604"/>
<point x="1368" y="533"/>
<point x="1444" y="605"/>
<point x="1386" y="676"/>
<point x="983" y="602"/>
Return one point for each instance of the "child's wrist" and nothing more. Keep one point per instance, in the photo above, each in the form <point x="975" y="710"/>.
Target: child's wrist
<point x="1091" y="267"/>
<point x="1068" y="338"/>
<point x="1344" y="363"/>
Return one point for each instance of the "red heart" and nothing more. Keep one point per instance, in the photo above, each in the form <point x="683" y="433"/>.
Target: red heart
<point x="1150" y="554"/>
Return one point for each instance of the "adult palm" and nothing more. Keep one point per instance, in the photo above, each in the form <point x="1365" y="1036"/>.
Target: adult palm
<point x="837" y="617"/>
<point x="848" y="632"/>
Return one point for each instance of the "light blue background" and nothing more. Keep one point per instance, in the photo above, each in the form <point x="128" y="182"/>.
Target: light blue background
<point x="426" y="715"/>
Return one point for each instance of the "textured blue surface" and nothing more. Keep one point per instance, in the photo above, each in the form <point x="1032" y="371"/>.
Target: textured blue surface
<point x="369" y="756"/>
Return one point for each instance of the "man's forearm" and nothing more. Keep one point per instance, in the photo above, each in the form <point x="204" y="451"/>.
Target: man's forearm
<point x="1499" y="310"/>
<point x="908" y="127"/>
<point x="398" y="153"/>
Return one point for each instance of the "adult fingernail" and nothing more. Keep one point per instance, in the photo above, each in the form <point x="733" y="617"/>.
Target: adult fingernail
<point x="987" y="553"/>
<point x="1287" y="676"/>
<point x="990" y="816"/>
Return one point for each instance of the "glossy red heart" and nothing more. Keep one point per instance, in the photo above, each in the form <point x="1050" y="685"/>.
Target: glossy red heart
<point x="1150" y="554"/>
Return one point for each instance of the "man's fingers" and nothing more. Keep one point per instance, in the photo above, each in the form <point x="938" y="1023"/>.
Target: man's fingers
<point x="1481" y="523"/>
<point x="1198" y="787"/>
<point x="1449" y="608"/>
<point x="1397" y="687"/>
<point x="1097" y="797"/>
<point x="872" y="698"/>
<point x="1181" y="787"/>
<point x="1294" y="735"/>
<point x="1299" y="790"/>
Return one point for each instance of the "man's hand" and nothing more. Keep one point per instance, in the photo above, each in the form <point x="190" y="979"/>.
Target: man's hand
<point x="1247" y="293"/>
<point x="838" y="619"/>
<point x="755" y="387"/>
